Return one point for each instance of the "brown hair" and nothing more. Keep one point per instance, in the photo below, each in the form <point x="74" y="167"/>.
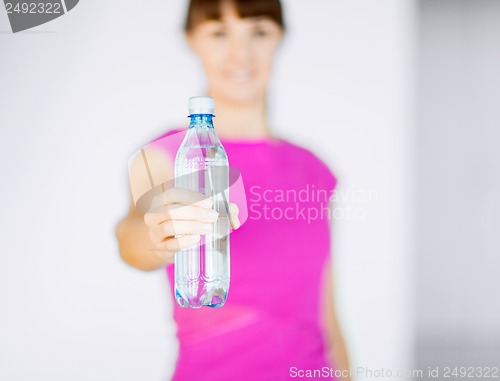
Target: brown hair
<point x="201" y="10"/>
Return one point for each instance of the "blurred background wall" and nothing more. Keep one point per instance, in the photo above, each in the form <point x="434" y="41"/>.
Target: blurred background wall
<point x="458" y="208"/>
<point x="398" y="97"/>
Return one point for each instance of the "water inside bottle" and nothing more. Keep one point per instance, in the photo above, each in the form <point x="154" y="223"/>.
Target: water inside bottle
<point x="202" y="271"/>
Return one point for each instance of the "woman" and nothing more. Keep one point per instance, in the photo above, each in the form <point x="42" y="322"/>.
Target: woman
<point x="279" y="320"/>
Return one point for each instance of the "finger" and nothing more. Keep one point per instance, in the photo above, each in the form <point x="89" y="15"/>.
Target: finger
<point x="181" y="196"/>
<point x="180" y="212"/>
<point x="181" y="243"/>
<point x="233" y="213"/>
<point x="170" y="228"/>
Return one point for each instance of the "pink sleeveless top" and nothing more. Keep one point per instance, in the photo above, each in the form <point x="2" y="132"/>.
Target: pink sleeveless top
<point x="270" y="324"/>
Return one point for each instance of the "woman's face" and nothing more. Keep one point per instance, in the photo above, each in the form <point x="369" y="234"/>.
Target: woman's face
<point x="236" y="54"/>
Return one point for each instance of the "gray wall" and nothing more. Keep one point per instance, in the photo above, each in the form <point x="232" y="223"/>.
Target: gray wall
<point x="458" y="188"/>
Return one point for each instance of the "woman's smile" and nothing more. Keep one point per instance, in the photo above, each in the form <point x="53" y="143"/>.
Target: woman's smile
<point x="240" y="75"/>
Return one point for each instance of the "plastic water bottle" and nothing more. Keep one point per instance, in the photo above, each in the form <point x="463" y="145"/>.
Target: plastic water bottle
<point x="201" y="165"/>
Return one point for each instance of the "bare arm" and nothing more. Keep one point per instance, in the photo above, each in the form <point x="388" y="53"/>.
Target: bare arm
<point x="133" y="235"/>
<point x="333" y="336"/>
<point x="135" y="245"/>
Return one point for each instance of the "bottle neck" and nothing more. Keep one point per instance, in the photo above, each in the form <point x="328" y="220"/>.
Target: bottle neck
<point x="201" y="121"/>
<point x="201" y="132"/>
